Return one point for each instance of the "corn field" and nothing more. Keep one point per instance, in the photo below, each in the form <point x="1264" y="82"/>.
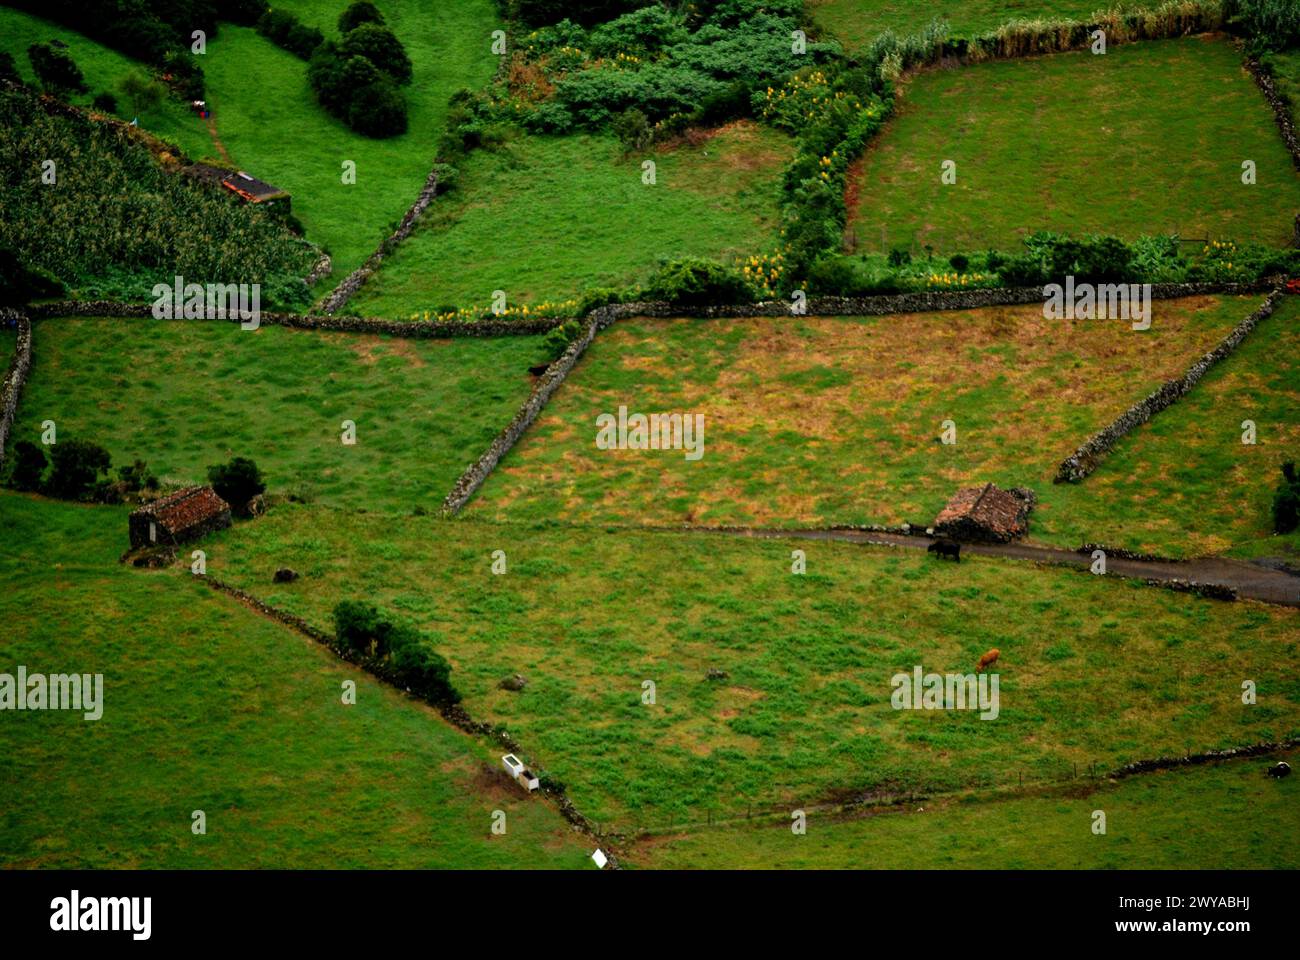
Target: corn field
<point x="83" y="201"/>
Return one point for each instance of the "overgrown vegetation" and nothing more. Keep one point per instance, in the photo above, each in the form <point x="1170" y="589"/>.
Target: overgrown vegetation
<point x="359" y="626"/>
<point x="114" y="222"/>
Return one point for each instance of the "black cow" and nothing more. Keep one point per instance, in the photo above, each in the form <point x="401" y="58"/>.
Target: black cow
<point x="1280" y="770"/>
<point x="945" y="548"/>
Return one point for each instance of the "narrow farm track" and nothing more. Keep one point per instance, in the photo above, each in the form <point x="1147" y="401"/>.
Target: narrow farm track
<point x="1251" y="581"/>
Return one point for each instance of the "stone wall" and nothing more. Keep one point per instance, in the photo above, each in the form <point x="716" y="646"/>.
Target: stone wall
<point x="413" y="329"/>
<point x="354" y="281"/>
<point x="550" y="381"/>
<point x="1212" y="756"/>
<point x="15" y="376"/>
<point x="1086" y="459"/>
<point x="1281" y="115"/>
<point x="324" y="266"/>
<point x="382" y="668"/>
<point x="602" y="317"/>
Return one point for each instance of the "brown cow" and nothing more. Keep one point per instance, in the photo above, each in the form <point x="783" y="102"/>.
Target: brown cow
<point x="988" y="660"/>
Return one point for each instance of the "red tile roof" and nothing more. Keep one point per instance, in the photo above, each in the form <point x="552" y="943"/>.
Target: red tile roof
<point x="988" y="511"/>
<point x="184" y="508"/>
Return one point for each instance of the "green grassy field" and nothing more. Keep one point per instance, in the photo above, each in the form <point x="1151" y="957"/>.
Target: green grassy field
<point x="268" y="119"/>
<point x="183" y="396"/>
<point x="1184" y="484"/>
<point x="1148" y="139"/>
<point x="548" y="218"/>
<point x="857" y="22"/>
<point x="1286" y="72"/>
<point x="103" y="69"/>
<point x="210" y="707"/>
<point x="1092" y="671"/>
<point x="1221" y="817"/>
<point x="815" y="421"/>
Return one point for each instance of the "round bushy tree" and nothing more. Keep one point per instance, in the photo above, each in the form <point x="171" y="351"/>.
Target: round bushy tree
<point x="362" y="11"/>
<point x="28" y="466"/>
<point x="381" y="47"/>
<point x="378" y="110"/>
<point x="236" y="482"/>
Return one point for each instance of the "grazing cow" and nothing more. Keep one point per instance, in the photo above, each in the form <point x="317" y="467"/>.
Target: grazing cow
<point x="945" y="548"/>
<point x="988" y="660"/>
<point x="1280" y="770"/>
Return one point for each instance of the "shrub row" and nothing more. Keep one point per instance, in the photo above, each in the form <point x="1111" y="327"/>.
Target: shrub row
<point x="359" y="626"/>
<point x="285" y="30"/>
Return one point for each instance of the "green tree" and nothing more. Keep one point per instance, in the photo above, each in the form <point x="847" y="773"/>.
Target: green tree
<point x="236" y="482"/>
<point x="57" y="72"/>
<point x="28" y="466"/>
<point x="75" y="467"/>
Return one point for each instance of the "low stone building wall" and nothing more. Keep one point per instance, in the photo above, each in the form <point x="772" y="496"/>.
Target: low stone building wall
<point x="15" y="376"/>
<point x="1086" y="459"/>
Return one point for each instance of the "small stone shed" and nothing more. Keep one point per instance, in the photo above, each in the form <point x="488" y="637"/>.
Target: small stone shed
<point x="242" y="184"/>
<point x="180" y="517"/>
<point x="988" y="513"/>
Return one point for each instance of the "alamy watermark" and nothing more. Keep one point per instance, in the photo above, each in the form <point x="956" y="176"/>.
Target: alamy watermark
<point x="213" y="301"/>
<point x="657" y="431"/>
<point x="57" y="691"/>
<point x="1107" y="301"/>
<point x="919" y="690"/>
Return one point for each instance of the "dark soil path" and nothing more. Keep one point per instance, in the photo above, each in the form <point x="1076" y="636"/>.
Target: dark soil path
<point x="1251" y="581"/>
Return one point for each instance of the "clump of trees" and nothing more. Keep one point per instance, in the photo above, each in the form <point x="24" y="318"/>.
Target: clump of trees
<point x="357" y="77"/>
<point x="76" y="470"/>
<point x="1267" y="24"/>
<point x="158" y="34"/>
<point x="361" y="627"/>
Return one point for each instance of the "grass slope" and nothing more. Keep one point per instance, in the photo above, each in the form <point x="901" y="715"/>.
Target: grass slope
<point x="548" y="218"/>
<point x="1092" y="670"/>
<point x="1221" y="817"/>
<point x="268" y="119"/>
<point x="1149" y="138"/>
<point x="1184" y="484"/>
<point x="103" y="69"/>
<point x="857" y="22"/>
<point x="184" y="395"/>
<point x="825" y="420"/>
<point x="210" y="707"/>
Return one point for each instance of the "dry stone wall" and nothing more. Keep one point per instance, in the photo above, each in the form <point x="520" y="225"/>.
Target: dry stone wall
<point x="354" y="281"/>
<point x="15" y="375"/>
<point x="602" y="317"/>
<point x="1086" y="459"/>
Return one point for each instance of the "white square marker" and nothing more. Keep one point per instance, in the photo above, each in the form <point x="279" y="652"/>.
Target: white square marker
<point x="600" y="858"/>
